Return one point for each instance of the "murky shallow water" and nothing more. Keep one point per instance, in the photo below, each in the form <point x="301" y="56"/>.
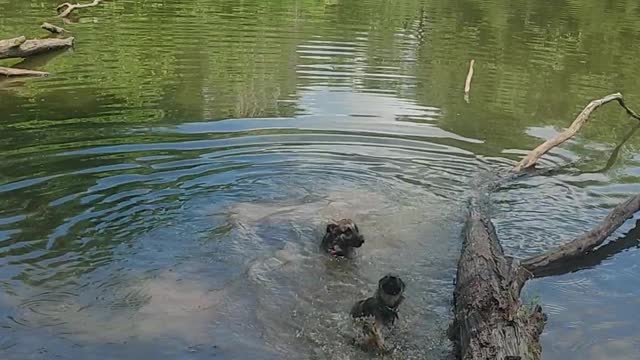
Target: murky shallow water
<point x="163" y="193"/>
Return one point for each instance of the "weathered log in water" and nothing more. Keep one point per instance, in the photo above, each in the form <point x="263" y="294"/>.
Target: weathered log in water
<point x="490" y="320"/>
<point x="20" y="47"/>
<point x="5" y="71"/>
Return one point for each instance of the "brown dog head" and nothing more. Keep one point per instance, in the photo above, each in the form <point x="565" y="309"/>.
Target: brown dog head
<point x="341" y="237"/>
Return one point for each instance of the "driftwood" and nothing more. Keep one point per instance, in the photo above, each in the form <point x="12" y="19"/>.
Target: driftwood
<point x="490" y="320"/>
<point x="5" y="71"/>
<point x="66" y="9"/>
<point x="20" y="47"/>
<point x="53" y="29"/>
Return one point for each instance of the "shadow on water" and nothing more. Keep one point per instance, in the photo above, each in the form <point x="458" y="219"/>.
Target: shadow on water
<point x="164" y="192"/>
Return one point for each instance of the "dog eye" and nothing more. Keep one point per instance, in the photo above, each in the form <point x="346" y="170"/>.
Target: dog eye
<point x="348" y="231"/>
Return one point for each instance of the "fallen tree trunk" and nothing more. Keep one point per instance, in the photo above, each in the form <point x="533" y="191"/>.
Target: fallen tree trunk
<point x="5" y="71"/>
<point x="490" y="320"/>
<point x="20" y="47"/>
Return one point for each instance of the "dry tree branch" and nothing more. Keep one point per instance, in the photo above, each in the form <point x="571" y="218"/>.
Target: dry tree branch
<point x="532" y="158"/>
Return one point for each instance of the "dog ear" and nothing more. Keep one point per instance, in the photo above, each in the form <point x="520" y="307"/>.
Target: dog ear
<point x="331" y="227"/>
<point x="382" y="281"/>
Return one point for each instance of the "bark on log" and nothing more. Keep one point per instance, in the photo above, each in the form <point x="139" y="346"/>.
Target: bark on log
<point x="19" y="48"/>
<point x="4" y="71"/>
<point x="490" y="321"/>
<point x="67" y="8"/>
<point x="53" y="29"/>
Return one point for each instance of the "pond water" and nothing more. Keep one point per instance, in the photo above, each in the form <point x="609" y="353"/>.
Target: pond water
<point x="163" y="192"/>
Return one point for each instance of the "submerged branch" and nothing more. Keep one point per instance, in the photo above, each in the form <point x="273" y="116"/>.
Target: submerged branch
<point x="5" y="71"/>
<point x="584" y="244"/>
<point x="595" y="257"/>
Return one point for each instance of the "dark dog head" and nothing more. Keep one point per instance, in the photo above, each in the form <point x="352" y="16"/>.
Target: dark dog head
<point x="341" y="237"/>
<point x="391" y="290"/>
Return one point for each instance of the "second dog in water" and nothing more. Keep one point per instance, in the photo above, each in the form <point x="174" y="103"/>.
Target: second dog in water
<point x="341" y="238"/>
<point x="382" y="307"/>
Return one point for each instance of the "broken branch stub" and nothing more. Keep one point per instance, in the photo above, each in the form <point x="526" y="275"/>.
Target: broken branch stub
<point x="467" y="83"/>
<point x="53" y="29"/>
<point x="5" y="71"/>
<point x="11" y="43"/>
